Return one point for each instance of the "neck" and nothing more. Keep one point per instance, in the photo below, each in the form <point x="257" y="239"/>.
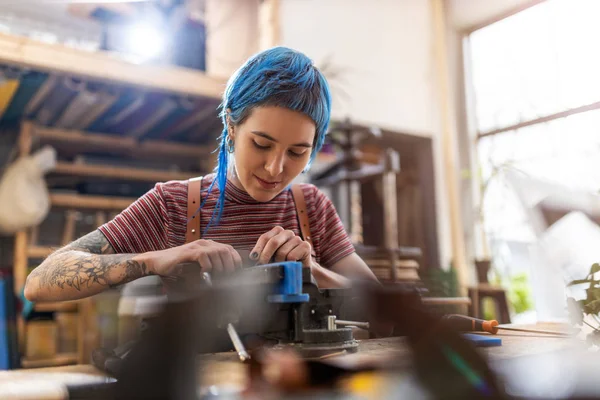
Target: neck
<point x="233" y="177"/>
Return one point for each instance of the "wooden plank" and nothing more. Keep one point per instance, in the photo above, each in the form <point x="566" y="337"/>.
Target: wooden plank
<point x="541" y="120"/>
<point x="83" y="141"/>
<point x="79" y="201"/>
<point x="20" y="261"/>
<point x="88" y="337"/>
<point x="34" y="234"/>
<point x="101" y="66"/>
<point x="448" y="142"/>
<point x="269" y="24"/>
<point x="446" y="301"/>
<point x="39" y="252"/>
<point x="62" y="306"/>
<point x="69" y="228"/>
<point x="104" y="171"/>
<point x="59" y="359"/>
<point x="24" y="141"/>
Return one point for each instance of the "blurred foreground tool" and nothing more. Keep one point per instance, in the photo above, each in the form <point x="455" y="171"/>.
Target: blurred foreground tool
<point x="470" y="324"/>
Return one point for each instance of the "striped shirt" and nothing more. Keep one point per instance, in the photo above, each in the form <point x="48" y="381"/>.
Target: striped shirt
<point x="157" y="220"/>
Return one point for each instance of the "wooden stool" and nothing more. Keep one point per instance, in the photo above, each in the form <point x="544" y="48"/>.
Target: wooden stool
<point x="481" y="291"/>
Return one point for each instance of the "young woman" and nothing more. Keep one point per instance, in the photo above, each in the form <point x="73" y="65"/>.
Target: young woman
<point x="275" y="113"/>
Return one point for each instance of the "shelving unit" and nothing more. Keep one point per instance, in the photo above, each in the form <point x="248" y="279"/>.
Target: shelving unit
<point x="85" y="104"/>
<point x="26" y="248"/>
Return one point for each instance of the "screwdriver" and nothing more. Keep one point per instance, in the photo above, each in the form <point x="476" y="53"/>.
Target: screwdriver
<point x="470" y="324"/>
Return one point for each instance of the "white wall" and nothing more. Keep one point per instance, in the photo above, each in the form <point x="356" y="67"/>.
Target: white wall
<point x="383" y="46"/>
<point x="385" y="49"/>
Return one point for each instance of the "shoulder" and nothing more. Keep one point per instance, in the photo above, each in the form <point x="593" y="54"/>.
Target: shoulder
<point x="315" y="198"/>
<point x="179" y="188"/>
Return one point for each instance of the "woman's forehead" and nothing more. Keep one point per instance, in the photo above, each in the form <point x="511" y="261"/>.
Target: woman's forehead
<point x="282" y="124"/>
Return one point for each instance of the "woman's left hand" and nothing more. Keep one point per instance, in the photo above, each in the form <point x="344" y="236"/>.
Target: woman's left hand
<point x="281" y="245"/>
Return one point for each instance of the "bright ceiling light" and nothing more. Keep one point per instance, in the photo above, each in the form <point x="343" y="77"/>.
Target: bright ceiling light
<point x="145" y="40"/>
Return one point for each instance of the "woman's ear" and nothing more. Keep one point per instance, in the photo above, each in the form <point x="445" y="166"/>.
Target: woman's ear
<point x="230" y="128"/>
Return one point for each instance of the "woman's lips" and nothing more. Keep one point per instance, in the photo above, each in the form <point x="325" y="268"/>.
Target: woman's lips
<point x="266" y="184"/>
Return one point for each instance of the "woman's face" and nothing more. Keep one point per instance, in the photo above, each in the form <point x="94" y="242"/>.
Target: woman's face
<point x="271" y="147"/>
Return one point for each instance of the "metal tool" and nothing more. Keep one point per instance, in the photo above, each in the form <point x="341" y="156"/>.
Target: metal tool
<point x="237" y="343"/>
<point x="332" y="323"/>
<point x="470" y="324"/>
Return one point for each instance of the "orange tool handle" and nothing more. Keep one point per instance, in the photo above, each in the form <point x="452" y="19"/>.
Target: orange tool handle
<point x="469" y="324"/>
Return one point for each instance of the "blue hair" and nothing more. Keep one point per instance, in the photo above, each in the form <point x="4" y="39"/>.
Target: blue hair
<point x="279" y="77"/>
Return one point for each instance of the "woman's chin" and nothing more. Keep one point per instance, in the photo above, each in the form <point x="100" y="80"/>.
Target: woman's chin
<point x="262" y="195"/>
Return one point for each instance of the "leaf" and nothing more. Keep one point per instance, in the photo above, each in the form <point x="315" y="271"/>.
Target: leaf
<point x="593" y="307"/>
<point x="595" y="268"/>
<point x="593" y="293"/>
<point x="578" y="282"/>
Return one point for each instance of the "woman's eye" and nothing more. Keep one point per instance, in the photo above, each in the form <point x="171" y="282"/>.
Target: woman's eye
<point x="258" y="146"/>
<point x="294" y="154"/>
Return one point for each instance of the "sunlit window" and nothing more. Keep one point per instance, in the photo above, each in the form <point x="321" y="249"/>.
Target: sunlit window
<point x="536" y="83"/>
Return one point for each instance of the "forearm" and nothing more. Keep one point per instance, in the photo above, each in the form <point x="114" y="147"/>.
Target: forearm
<point x="73" y="274"/>
<point x="327" y="279"/>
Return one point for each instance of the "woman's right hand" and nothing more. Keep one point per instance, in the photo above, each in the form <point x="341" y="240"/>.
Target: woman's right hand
<point x="210" y="256"/>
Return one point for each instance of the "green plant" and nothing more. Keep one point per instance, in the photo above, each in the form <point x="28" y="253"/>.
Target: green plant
<point x="578" y="309"/>
<point x="519" y="293"/>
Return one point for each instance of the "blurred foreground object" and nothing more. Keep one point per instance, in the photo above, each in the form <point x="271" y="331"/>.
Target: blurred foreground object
<point x="23" y="193"/>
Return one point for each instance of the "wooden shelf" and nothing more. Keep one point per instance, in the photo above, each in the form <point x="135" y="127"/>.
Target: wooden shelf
<point x="59" y="359"/>
<point x="39" y="251"/>
<point x="103" y="171"/>
<point x="79" y="201"/>
<point x="81" y="142"/>
<point x="21" y="51"/>
<point x="66" y="306"/>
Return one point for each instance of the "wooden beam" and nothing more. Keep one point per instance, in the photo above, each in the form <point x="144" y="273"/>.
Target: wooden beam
<point x="79" y="201"/>
<point x="449" y="151"/>
<point x="547" y="118"/>
<point x="83" y="142"/>
<point x="25" y="140"/>
<point x="69" y="228"/>
<point x="269" y="24"/>
<point x="104" y="171"/>
<point x="59" y="359"/>
<point x="20" y="261"/>
<point x="56" y="58"/>
<point x="39" y="252"/>
<point x="59" y="306"/>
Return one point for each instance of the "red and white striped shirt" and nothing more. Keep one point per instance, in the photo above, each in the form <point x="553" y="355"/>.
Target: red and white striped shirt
<point x="157" y="220"/>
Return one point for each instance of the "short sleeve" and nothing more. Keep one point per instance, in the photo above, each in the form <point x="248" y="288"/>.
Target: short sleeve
<point x="332" y="242"/>
<point x="142" y="226"/>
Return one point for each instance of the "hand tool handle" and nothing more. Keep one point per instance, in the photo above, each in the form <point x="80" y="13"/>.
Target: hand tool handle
<point x="470" y="324"/>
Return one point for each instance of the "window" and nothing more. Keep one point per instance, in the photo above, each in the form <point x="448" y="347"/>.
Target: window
<point x="535" y="77"/>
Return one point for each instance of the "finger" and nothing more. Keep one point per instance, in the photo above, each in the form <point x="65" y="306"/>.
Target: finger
<point x="263" y="240"/>
<point x="237" y="258"/>
<point x="227" y="259"/>
<point x="273" y="244"/>
<point x="301" y="253"/>
<point x="215" y="259"/>
<point x="204" y="261"/>
<point x="282" y="252"/>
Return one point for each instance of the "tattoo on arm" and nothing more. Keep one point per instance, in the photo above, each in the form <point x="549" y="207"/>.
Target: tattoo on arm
<point x="88" y="261"/>
<point x="94" y="242"/>
<point x="80" y="271"/>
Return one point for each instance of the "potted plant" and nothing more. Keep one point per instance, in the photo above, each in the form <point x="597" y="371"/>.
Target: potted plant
<point x="587" y="309"/>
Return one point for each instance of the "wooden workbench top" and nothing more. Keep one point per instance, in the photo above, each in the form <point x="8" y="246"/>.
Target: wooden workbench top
<point x="224" y="367"/>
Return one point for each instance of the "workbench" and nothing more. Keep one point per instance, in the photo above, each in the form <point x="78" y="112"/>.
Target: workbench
<point x="224" y="368"/>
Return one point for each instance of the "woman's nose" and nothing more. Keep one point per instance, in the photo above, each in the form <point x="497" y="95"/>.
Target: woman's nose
<point x="274" y="165"/>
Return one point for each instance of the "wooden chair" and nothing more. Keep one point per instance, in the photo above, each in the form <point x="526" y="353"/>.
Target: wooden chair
<point x="496" y="293"/>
